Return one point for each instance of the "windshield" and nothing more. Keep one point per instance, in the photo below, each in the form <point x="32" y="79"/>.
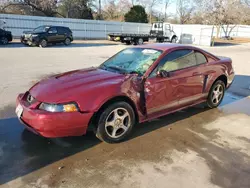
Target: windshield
<point x="132" y="60"/>
<point x="41" y="29"/>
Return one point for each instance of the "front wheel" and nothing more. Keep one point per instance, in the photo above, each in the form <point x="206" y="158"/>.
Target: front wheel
<point x="4" y="40"/>
<point x="174" y="40"/>
<point x="116" y="122"/>
<point x="43" y="43"/>
<point x="216" y="94"/>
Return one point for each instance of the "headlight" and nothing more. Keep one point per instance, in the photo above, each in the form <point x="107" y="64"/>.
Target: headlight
<point x="34" y="36"/>
<point x="70" y="107"/>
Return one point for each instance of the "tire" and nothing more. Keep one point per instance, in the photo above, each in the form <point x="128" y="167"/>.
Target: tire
<point x="216" y="94"/>
<point x="43" y="43"/>
<point x="67" y="41"/>
<point x="4" y="40"/>
<point x="115" y="123"/>
<point x="174" y="40"/>
<point x="128" y="42"/>
<point x="140" y="41"/>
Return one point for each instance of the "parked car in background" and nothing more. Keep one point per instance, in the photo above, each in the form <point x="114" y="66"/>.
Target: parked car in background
<point x="136" y="85"/>
<point x="5" y="36"/>
<point x="44" y="35"/>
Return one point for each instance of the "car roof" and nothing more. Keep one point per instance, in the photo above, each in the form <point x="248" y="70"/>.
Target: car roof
<point x="165" y="46"/>
<point x="54" y="26"/>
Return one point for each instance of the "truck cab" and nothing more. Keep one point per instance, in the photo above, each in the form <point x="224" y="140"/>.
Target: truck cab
<point x="163" y="32"/>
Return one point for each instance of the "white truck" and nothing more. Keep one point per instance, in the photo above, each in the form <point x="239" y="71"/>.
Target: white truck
<point x="161" y="31"/>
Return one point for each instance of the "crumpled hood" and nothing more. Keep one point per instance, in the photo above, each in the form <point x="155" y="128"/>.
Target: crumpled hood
<point x="68" y="86"/>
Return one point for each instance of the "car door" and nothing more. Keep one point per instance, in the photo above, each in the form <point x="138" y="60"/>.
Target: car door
<point x="167" y="31"/>
<point x="189" y="75"/>
<point x="166" y="94"/>
<point x="52" y="35"/>
<point x="61" y="34"/>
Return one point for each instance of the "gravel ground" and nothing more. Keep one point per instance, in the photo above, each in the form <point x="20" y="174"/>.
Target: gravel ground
<point x="192" y="148"/>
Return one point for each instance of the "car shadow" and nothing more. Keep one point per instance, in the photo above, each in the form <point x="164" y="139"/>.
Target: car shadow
<point x="61" y="45"/>
<point x="22" y="152"/>
<point x="220" y="44"/>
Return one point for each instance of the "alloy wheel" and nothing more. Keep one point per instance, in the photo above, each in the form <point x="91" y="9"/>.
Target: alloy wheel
<point x="117" y="123"/>
<point x="217" y="94"/>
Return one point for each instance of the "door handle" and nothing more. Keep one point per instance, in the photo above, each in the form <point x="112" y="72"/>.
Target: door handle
<point x="196" y="73"/>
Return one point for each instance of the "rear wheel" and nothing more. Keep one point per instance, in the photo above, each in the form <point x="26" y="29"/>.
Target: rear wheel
<point x="4" y="40"/>
<point x="116" y="122"/>
<point x="67" y="41"/>
<point x="216" y="94"/>
<point x="128" y="42"/>
<point x="140" y="41"/>
<point x="174" y="40"/>
<point x="43" y="43"/>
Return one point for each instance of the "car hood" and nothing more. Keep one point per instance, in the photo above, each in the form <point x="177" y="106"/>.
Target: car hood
<point x="32" y="32"/>
<point x="68" y="86"/>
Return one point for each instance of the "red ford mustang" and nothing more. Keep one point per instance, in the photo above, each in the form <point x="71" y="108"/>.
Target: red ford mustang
<point x="135" y="85"/>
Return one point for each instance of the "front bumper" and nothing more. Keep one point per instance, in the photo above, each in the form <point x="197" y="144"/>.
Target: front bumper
<point x="30" y="41"/>
<point x="53" y="125"/>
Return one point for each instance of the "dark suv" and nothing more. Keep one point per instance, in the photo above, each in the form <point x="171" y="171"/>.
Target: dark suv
<point x="5" y="36"/>
<point x="43" y="35"/>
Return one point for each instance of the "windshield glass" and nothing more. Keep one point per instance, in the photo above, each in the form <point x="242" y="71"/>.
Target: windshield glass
<point x="132" y="60"/>
<point x="41" y="29"/>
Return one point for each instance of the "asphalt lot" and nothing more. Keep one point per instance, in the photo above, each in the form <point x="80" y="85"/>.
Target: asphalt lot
<point x="192" y="148"/>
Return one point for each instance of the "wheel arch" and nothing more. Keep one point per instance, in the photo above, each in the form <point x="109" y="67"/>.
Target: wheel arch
<point x="222" y="78"/>
<point x="93" y="123"/>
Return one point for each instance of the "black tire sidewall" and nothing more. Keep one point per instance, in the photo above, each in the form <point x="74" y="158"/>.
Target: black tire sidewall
<point x="4" y="39"/>
<point x="68" y="43"/>
<point x="40" y="44"/>
<point x="210" y="95"/>
<point x="174" y="40"/>
<point x="101" y="132"/>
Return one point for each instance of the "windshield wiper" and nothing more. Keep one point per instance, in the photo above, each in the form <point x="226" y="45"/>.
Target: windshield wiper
<point x="135" y="72"/>
<point x="116" y="68"/>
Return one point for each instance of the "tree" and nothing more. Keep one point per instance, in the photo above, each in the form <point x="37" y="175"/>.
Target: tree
<point x="46" y="7"/>
<point x="152" y="4"/>
<point x="111" y="11"/>
<point x="184" y="10"/>
<point x="166" y="6"/>
<point x="225" y="14"/>
<point x="80" y="9"/>
<point x="137" y="13"/>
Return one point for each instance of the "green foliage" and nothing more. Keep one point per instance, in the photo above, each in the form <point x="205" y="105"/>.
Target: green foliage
<point x="137" y="14"/>
<point x="76" y="9"/>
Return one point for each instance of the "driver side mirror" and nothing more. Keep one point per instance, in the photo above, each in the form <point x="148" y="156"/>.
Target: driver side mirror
<point x="163" y="74"/>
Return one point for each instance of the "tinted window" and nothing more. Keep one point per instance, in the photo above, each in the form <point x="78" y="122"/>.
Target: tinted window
<point x="53" y="30"/>
<point x="177" y="60"/>
<point x="63" y="30"/>
<point x="200" y="58"/>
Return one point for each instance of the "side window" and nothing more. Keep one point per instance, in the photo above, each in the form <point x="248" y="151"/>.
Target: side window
<point x="167" y="27"/>
<point x="60" y="30"/>
<point x="178" y="59"/>
<point x="52" y="30"/>
<point x="200" y="58"/>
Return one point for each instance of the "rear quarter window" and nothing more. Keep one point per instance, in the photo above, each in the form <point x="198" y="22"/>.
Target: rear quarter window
<point x="200" y="58"/>
<point x="63" y="30"/>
